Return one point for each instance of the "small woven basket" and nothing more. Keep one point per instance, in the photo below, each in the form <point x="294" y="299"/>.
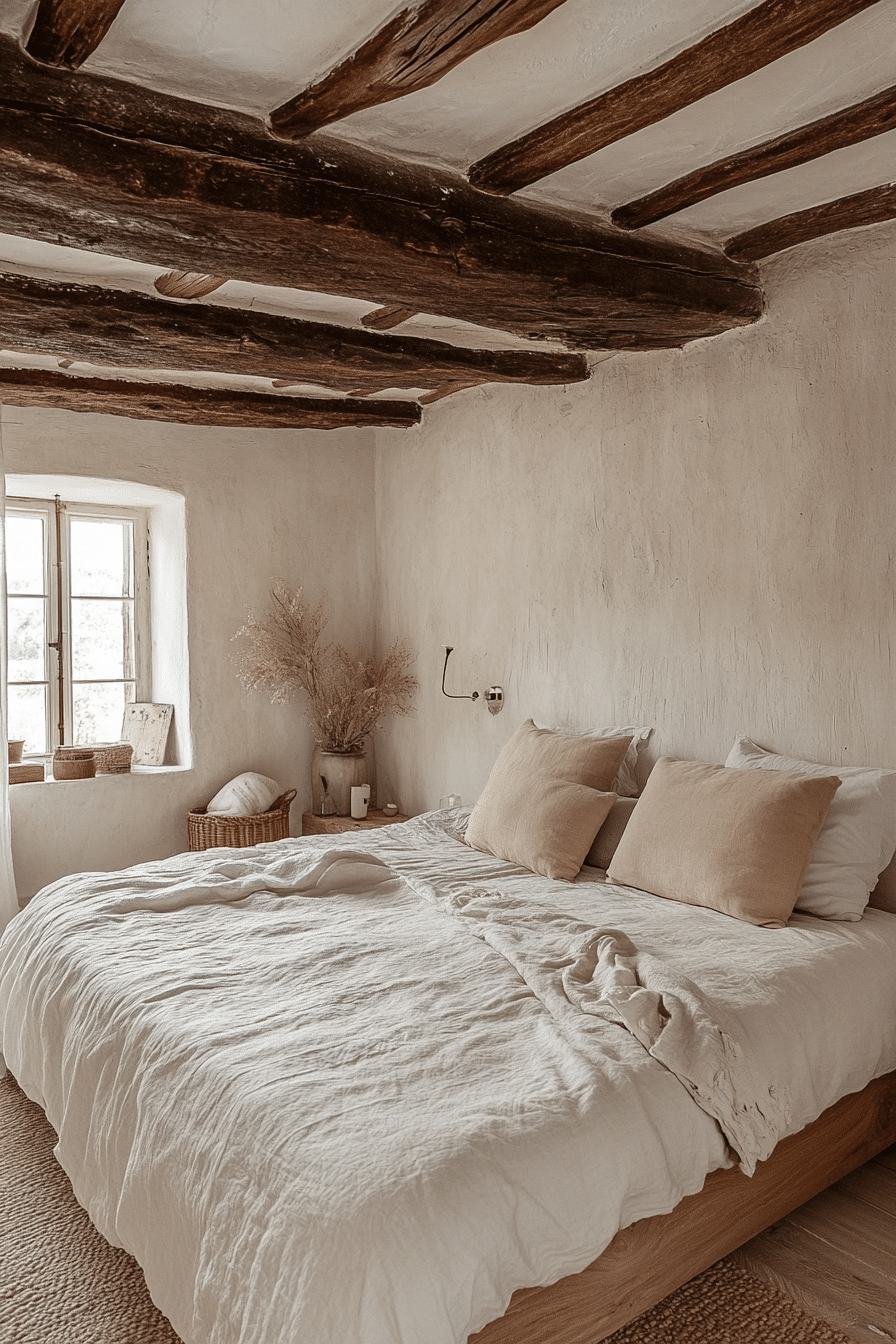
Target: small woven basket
<point x="209" y="832"/>
<point x="25" y="774"/>
<point x="113" y="758"/>
<point x="73" y="763"/>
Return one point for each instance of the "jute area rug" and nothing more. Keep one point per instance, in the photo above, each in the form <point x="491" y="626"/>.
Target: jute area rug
<point x="61" y="1283"/>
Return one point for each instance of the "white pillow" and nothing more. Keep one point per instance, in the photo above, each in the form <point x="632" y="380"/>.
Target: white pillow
<point x="625" y="785"/>
<point x="857" y="839"/>
<point x="245" y="796"/>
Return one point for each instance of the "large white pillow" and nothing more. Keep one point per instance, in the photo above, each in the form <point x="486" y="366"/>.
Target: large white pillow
<point x="245" y="796"/>
<point x="625" y="784"/>
<point x="857" y="839"/>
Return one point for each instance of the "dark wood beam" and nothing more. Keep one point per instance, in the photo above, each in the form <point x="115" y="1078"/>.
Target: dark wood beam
<point x="383" y="319"/>
<point x="107" y="166"/>
<point x="66" y="32"/>
<point x="413" y="50"/>
<point x="849" y="212"/>
<point x="176" y="404"/>
<point x="755" y="40"/>
<point x="863" y="121"/>
<point x="133" y="330"/>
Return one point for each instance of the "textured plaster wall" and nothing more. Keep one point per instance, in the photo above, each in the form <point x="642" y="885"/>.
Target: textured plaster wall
<point x="699" y="540"/>
<point x="295" y="504"/>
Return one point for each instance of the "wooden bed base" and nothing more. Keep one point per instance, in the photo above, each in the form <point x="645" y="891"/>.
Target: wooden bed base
<point x="648" y="1260"/>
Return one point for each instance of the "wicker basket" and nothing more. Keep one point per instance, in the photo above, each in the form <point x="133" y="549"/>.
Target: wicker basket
<point x="73" y="763"/>
<point x="25" y="774"/>
<point x="208" y="832"/>
<point x="113" y="758"/>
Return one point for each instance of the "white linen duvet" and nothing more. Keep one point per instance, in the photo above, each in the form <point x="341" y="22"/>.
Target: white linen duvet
<point x="359" y="1089"/>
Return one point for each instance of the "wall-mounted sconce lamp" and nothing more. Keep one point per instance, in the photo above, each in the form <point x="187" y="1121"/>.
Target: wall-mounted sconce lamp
<point x="449" y="649"/>
<point x="494" y="696"/>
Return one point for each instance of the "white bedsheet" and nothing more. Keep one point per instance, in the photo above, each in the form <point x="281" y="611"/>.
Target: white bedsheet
<point x="366" y="1113"/>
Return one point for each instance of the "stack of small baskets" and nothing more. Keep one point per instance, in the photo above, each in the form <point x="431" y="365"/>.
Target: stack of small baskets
<point x="209" y="832"/>
<point x="73" y="763"/>
<point x="19" y="773"/>
<point x="105" y="758"/>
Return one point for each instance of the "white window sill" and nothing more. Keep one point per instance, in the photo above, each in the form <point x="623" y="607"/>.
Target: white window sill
<point x="49" y="778"/>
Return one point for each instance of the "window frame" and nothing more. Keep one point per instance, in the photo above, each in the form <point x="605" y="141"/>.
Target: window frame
<point x="138" y="519"/>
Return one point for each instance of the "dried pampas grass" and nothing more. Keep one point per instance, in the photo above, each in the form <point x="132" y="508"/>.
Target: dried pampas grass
<point x="345" y="698"/>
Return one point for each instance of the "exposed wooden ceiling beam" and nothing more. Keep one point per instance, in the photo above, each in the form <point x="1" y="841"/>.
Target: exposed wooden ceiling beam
<point x="863" y="121"/>
<point x="755" y="40"/>
<point x="66" y="32"/>
<point x="413" y="50"/>
<point x="849" y="212"/>
<point x="106" y="166"/>
<point x="133" y="330"/>
<point x="177" y="404"/>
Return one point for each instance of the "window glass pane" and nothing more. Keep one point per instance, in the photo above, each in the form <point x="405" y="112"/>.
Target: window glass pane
<point x="102" y="639"/>
<point x="24" y="555"/>
<point x="100" y="558"/>
<point x="27" y="639"/>
<point x="99" y="711"/>
<point x="28" y="717"/>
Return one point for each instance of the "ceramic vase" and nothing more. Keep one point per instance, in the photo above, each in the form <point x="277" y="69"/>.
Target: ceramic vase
<point x="333" y="773"/>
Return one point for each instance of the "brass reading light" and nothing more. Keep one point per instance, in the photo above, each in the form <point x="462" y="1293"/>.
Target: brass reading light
<point x="449" y="649"/>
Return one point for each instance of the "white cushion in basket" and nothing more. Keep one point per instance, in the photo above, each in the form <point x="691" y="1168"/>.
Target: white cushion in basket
<point x="245" y="796"/>
<point x="857" y="838"/>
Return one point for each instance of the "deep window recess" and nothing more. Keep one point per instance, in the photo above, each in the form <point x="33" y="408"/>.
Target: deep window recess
<point x="78" y="609"/>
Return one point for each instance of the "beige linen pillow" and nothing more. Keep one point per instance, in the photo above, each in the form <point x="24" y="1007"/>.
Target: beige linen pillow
<point x="883" y="897"/>
<point x="857" y="840"/>
<point x="545" y="800"/>
<point x="736" y="841"/>
<point x="625" y="785"/>
<point x="600" y="855"/>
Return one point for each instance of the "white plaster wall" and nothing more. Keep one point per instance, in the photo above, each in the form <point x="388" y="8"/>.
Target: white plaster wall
<point x="699" y="540"/>
<point x="259" y="505"/>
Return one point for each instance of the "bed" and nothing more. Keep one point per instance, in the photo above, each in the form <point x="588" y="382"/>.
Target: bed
<point x="383" y="1088"/>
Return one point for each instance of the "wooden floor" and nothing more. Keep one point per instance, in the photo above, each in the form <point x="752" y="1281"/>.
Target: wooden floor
<point x="836" y="1255"/>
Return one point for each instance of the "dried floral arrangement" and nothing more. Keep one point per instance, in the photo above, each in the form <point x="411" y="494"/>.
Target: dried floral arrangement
<point x="345" y="697"/>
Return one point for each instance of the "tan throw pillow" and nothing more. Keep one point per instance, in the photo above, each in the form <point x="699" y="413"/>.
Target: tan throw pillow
<point x="858" y="837"/>
<point x="600" y="855"/>
<point x="545" y="800"/>
<point x="702" y="835"/>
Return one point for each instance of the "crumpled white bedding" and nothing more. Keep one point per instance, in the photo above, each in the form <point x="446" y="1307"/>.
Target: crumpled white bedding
<point x="346" y="1119"/>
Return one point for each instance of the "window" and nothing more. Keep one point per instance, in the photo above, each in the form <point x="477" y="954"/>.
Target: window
<point x="78" y="609"/>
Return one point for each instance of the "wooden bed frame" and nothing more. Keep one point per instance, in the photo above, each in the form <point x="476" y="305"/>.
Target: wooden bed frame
<point x="648" y="1260"/>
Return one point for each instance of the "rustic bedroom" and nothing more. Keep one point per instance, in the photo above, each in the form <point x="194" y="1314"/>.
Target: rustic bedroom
<point x="447" y="879"/>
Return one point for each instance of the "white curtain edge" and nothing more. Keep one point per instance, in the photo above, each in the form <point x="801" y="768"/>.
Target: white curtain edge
<point x="9" y="904"/>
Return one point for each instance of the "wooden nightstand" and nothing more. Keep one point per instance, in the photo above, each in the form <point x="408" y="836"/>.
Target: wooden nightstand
<point x="314" y="825"/>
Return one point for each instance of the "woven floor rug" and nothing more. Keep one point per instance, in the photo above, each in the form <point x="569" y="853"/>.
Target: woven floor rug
<point x="61" y="1283"/>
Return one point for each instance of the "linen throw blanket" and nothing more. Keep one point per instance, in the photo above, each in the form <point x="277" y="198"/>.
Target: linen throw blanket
<point x="571" y="967"/>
